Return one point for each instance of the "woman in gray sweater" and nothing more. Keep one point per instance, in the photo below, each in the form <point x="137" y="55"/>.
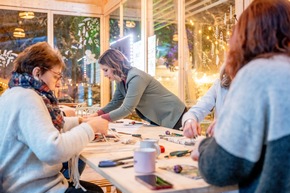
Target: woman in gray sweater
<point x="137" y="90"/>
<point x="251" y="144"/>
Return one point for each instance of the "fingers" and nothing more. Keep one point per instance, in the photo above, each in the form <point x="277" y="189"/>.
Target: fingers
<point x="189" y="132"/>
<point x="211" y="134"/>
<point x="99" y="125"/>
<point x="194" y="155"/>
<point x="210" y="129"/>
<point x="93" y="115"/>
<point x="104" y="125"/>
<point x="198" y="129"/>
<point x="208" y="132"/>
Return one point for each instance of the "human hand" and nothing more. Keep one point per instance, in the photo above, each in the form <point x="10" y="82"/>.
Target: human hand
<point x="92" y="115"/>
<point x="87" y="118"/>
<point x="191" y="128"/>
<point x="99" y="125"/>
<point x="210" y="129"/>
<point x="195" y="153"/>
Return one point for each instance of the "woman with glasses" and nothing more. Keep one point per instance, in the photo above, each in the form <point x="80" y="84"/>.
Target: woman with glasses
<point x="35" y="138"/>
<point x="137" y="90"/>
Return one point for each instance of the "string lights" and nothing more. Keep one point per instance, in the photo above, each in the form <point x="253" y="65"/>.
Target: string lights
<point x="19" y="32"/>
<point x="26" y="15"/>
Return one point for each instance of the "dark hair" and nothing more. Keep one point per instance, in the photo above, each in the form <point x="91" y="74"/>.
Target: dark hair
<point x="40" y="55"/>
<point x="116" y="60"/>
<point x="263" y="30"/>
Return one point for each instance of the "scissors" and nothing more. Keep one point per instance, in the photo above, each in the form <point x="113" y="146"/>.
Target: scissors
<point x="180" y="153"/>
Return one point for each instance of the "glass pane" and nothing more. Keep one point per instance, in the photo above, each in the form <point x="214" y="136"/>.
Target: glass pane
<point x="132" y="19"/>
<point x="78" y="39"/>
<point x="114" y="25"/>
<point x="208" y="27"/>
<point x="164" y="27"/>
<point x="18" y="30"/>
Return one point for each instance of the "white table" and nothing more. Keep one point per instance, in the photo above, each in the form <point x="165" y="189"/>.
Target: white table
<point x="124" y="179"/>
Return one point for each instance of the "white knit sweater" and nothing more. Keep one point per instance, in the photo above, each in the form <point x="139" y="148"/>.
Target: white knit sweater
<point x="31" y="148"/>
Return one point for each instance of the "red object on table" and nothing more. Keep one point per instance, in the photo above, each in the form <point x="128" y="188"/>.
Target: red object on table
<point x="162" y="148"/>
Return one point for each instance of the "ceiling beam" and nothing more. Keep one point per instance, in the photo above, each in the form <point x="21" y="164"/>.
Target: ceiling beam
<point x="206" y="7"/>
<point x="191" y="8"/>
<point x="54" y="5"/>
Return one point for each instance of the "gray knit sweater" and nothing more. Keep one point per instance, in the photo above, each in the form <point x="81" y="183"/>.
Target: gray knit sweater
<point x="251" y="146"/>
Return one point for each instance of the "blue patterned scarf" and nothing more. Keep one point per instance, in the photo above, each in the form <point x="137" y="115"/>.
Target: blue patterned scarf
<point x="27" y="81"/>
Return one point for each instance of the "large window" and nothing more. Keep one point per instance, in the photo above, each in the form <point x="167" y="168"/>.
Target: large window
<point x="18" y="30"/>
<point x="206" y="31"/>
<point x="78" y="39"/>
<point x="164" y="27"/>
<point x="208" y="25"/>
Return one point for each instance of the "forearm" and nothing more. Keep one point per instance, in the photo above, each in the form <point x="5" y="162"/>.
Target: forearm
<point x="118" y="113"/>
<point x="219" y="167"/>
<point x="204" y="105"/>
<point x="70" y="122"/>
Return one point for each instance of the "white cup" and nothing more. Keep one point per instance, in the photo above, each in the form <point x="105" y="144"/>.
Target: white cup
<point x="144" y="160"/>
<point x="151" y="143"/>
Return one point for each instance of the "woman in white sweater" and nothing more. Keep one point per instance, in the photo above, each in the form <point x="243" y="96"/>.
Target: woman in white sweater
<point x="212" y="100"/>
<point x="35" y="138"/>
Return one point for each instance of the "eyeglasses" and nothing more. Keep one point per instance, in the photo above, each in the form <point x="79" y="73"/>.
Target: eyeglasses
<point x="59" y="74"/>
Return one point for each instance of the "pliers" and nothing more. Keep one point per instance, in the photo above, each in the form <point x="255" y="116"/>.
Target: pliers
<point x="180" y="153"/>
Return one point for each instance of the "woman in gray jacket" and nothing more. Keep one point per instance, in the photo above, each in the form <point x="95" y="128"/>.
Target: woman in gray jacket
<point x="137" y="90"/>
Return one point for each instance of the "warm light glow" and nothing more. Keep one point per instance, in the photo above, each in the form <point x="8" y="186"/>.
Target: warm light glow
<point x="175" y="37"/>
<point x="26" y="15"/>
<point x="191" y="22"/>
<point x="130" y="24"/>
<point x="205" y="79"/>
<point x="19" y="33"/>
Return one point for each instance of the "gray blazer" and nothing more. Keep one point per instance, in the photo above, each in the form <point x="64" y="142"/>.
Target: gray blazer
<point x="148" y="96"/>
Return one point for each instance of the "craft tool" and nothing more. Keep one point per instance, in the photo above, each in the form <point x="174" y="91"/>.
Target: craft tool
<point x="180" y="153"/>
<point x="120" y="132"/>
<point x="128" y="166"/>
<point x="137" y="135"/>
<point x="115" y="162"/>
<point x="176" y="134"/>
